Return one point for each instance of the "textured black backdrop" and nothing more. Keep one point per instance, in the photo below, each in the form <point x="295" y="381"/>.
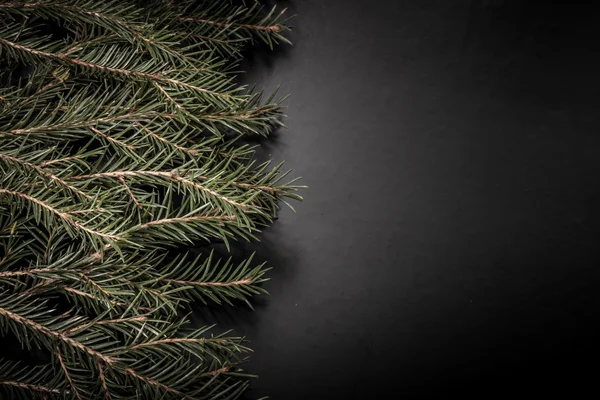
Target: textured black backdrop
<point x="447" y="243"/>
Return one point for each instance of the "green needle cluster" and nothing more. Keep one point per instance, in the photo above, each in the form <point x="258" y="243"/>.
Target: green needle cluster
<point x="123" y="143"/>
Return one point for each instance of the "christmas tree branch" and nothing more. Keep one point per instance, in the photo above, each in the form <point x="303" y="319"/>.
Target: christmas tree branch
<point x="21" y="51"/>
<point x="122" y="145"/>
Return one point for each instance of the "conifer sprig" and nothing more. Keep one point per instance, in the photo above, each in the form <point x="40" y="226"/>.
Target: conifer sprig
<point x="122" y="130"/>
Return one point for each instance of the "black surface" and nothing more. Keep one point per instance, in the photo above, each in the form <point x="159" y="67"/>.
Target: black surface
<point x="448" y="239"/>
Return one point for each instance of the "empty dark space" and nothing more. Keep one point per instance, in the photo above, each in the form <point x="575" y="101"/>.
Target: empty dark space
<point x="448" y="240"/>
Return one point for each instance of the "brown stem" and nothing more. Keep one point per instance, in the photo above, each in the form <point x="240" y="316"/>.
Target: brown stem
<point x="94" y="284"/>
<point x="268" y="189"/>
<point x="238" y="116"/>
<point x="137" y="203"/>
<point x="103" y="381"/>
<point x="85" y="211"/>
<point x="81" y="45"/>
<point x="82" y="294"/>
<point x="47" y="249"/>
<point x="216" y="371"/>
<point x="8" y="253"/>
<point x="164" y="92"/>
<point x="209" y="38"/>
<point x="10" y="274"/>
<point x="104" y="322"/>
<point x="178" y="340"/>
<point x="68" y="376"/>
<point x="139" y="318"/>
<point x="98" y="254"/>
<point x="35" y="388"/>
<point x="104" y="135"/>
<point x="36" y="287"/>
<point x="44" y="164"/>
<point x="114" y="303"/>
<point x="165" y="221"/>
<point x="267" y="28"/>
<point x="191" y="152"/>
<point x="241" y="282"/>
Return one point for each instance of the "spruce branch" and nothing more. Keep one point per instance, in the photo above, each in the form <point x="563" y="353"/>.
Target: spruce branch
<point x="124" y="68"/>
<point x="23" y="382"/>
<point x="122" y="146"/>
<point x="41" y="172"/>
<point x="47" y="211"/>
<point x="107" y="15"/>
<point x="90" y="342"/>
<point x="66" y="372"/>
<point x="225" y="27"/>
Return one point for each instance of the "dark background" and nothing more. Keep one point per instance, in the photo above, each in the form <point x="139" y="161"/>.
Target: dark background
<point x="448" y="241"/>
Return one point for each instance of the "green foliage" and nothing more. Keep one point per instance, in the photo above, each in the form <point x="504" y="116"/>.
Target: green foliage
<point x="122" y="144"/>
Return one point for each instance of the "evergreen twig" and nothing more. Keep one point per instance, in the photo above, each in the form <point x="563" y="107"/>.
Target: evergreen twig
<point x="122" y="134"/>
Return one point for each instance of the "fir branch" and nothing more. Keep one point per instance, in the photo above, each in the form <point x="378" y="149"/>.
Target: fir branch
<point x="168" y="175"/>
<point x="130" y="72"/>
<point x="32" y="388"/>
<point x="189" y="151"/>
<point x="227" y="25"/>
<point x="135" y="201"/>
<point x="65" y="217"/>
<point x="110" y="139"/>
<point x="45" y="174"/>
<point x="105" y="17"/>
<point x="240" y="282"/>
<point x="183" y="220"/>
<point x="20" y="381"/>
<point x="66" y="372"/>
<point x="155" y="343"/>
<point x="120" y="142"/>
<point x="102" y="377"/>
<point x="221" y="21"/>
<point x="144" y="375"/>
<point x="84" y="123"/>
<point x="41" y="329"/>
